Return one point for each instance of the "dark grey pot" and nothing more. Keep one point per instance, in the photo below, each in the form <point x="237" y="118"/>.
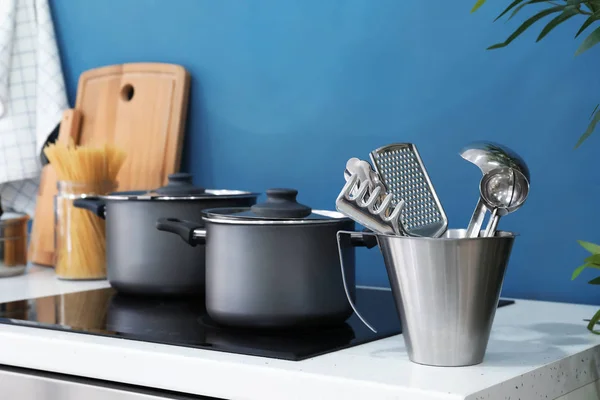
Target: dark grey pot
<point x="142" y="260"/>
<point x="276" y="275"/>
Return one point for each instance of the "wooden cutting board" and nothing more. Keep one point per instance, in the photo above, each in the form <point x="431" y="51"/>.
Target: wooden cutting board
<point x="41" y="243"/>
<point x="140" y="107"/>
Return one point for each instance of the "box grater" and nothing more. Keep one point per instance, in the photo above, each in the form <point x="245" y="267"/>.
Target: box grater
<point x="405" y="178"/>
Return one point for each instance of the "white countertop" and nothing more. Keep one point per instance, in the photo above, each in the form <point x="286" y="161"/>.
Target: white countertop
<point x="538" y="350"/>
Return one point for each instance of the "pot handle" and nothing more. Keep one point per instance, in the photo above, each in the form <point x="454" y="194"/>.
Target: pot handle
<point x="364" y="238"/>
<point x="191" y="232"/>
<point x="93" y="204"/>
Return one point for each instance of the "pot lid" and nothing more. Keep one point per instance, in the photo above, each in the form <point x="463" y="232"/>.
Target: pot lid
<point x="179" y="187"/>
<point x="281" y="206"/>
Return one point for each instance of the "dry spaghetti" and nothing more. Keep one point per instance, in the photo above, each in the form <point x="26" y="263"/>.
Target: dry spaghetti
<point x="79" y="234"/>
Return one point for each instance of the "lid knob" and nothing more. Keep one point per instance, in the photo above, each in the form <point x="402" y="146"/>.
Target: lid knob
<point x="180" y="184"/>
<point x="281" y="203"/>
<point x="180" y="177"/>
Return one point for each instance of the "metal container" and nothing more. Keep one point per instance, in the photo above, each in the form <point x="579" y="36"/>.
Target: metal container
<point x="273" y="265"/>
<point x="141" y="260"/>
<point x="446" y="291"/>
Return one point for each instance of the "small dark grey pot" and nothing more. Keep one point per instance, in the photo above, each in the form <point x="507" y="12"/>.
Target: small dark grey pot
<point x="140" y="260"/>
<point x="274" y="265"/>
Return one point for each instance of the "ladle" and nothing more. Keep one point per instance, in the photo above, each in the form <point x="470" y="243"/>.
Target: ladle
<point x="503" y="190"/>
<point x="488" y="156"/>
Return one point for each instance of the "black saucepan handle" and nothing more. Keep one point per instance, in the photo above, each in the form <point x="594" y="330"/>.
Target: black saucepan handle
<point x="94" y="204"/>
<point x="191" y="232"/>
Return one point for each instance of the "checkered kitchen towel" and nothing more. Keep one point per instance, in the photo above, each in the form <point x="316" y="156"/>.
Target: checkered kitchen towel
<point x="32" y="97"/>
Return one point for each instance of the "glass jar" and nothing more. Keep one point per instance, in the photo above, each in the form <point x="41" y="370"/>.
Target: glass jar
<point x="79" y="234"/>
<point x="13" y="244"/>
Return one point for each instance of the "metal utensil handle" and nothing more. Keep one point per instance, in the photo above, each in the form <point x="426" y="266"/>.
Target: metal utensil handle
<point x="346" y="203"/>
<point x="349" y="233"/>
<point x="490" y="230"/>
<point x="476" y="220"/>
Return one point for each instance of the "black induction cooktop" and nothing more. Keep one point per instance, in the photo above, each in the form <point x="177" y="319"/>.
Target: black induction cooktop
<point x="183" y="322"/>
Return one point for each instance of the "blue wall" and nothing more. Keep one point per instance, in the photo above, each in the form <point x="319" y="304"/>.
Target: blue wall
<point x="284" y="92"/>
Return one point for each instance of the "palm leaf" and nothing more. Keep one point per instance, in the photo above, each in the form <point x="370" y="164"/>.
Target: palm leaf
<point x="595" y="281"/>
<point x="526" y="25"/>
<point x="590" y="129"/>
<point x="580" y="269"/>
<point x="589" y="41"/>
<point x="510" y="7"/>
<point x="594" y="259"/>
<point x="517" y="9"/>
<point x="591" y="247"/>
<point x="591" y="19"/>
<point x="593" y="5"/>
<point x="593" y="321"/>
<point x="477" y="5"/>
<point x="568" y="13"/>
<point x="595" y="109"/>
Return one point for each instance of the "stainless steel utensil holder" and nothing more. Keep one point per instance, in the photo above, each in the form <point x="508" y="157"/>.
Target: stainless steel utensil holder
<point x="446" y="292"/>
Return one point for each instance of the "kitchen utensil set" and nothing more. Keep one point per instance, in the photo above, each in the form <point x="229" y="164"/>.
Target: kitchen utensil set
<point x="398" y="198"/>
<point x="446" y="282"/>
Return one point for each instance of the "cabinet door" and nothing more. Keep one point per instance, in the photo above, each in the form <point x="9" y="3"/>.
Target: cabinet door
<point x="25" y="384"/>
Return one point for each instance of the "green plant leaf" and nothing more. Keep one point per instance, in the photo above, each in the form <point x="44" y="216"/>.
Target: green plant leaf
<point x="593" y="259"/>
<point x="591" y="19"/>
<point x="510" y="7"/>
<point x="591" y="247"/>
<point x="595" y="281"/>
<point x="568" y="13"/>
<point x="477" y="5"/>
<point x="580" y="269"/>
<point x="577" y="2"/>
<point x="595" y="108"/>
<point x="593" y="5"/>
<point x="526" y="25"/>
<point x="591" y="127"/>
<point x="520" y="6"/>
<point x="593" y="321"/>
<point x="589" y="41"/>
